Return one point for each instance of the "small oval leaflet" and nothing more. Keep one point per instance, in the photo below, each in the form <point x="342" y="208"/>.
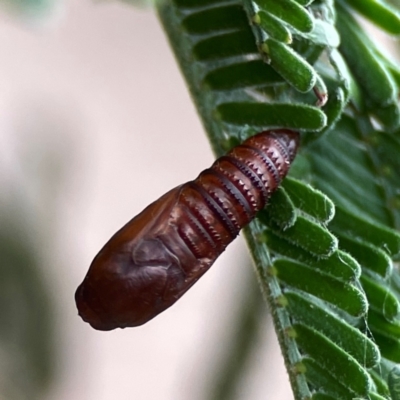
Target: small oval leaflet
<point x="394" y="382"/>
<point x="158" y="255"/>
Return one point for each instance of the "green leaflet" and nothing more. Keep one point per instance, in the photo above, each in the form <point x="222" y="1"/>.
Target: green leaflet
<point x="376" y="396"/>
<point x="389" y="347"/>
<point x="242" y="75"/>
<point x="280" y="210"/>
<point x="380" y="13"/>
<point x="369" y="256"/>
<point x="292" y="67"/>
<point x="216" y="19"/>
<point x="343" y="73"/>
<point x="341" y="294"/>
<point x="335" y="103"/>
<point x="372" y="74"/>
<point x="332" y="358"/>
<point x="391" y="65"/>
<point x="335" y="106"/>
<point x="323" y="380"/>
<point x="388" y="116"/>
<point x="319" y="318"/>
<point x="289" y="115"/>
<point x="378" y="323"/>
<point x="338" y="265"/>
<point x="381" y="298"/>
<point x="311" y="201"/>
<point x="290" y="12"/>
<point x="394" y="383"/>
<point x="307" y="234"/>
<point x="371" y="232"/>
<point x="380" y="383"/>
<point x="225" y="45"/>
<point x="274" y="27"/>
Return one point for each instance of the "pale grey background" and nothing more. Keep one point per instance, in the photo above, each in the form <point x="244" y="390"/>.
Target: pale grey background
<point x="95" y="123"/>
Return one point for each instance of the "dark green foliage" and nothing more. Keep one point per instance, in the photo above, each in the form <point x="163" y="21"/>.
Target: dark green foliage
<point x="329" y="277"/>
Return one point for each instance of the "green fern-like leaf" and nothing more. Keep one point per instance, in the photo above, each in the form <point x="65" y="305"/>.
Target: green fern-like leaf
<point x="324" y="248"/>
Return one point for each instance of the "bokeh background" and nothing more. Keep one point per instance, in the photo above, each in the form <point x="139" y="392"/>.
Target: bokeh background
<point x="95" y="123"/>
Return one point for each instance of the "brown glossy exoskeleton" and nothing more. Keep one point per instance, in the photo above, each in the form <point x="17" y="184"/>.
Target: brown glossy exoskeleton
<point x="158" y="255"/>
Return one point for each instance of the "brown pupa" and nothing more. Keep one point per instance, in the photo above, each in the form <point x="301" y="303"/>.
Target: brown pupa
<point x="158" y="255"/>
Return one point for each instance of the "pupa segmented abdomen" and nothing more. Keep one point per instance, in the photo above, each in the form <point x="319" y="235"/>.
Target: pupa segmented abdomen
<point x="158" y="255"/>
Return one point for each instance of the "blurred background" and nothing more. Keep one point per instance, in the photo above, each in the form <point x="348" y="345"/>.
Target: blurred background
<point x="95" y="123"/>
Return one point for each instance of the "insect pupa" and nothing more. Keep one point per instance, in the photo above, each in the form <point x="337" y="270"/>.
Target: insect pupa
<point x="158" y="255"/>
